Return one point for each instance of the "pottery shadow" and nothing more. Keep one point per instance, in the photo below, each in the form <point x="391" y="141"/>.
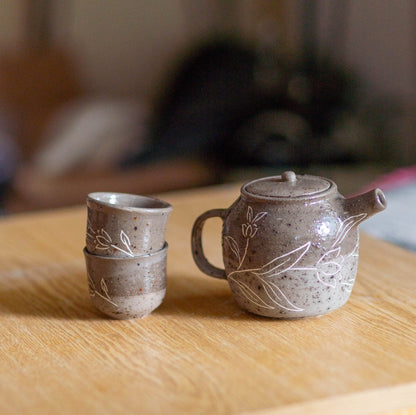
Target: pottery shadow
<point x="48" y="298"/>
<point x="64" y="295"/>
<point x="208" y="299"/>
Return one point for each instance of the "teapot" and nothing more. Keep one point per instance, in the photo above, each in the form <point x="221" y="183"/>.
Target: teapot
<point x="290" y="244"/>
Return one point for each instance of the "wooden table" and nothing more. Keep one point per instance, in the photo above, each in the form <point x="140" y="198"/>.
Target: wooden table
<point x="198" y="352"/>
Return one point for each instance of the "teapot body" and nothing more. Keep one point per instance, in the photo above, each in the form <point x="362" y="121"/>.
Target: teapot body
<point x="291" y="258"/>
<point x="289" y="244"/>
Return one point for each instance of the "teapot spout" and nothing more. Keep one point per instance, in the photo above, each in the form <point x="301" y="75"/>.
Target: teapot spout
<point x="370" y="203"/>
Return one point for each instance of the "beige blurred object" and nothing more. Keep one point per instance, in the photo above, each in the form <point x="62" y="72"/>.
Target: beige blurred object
<point x="33" y="84"/>
<point x="33" y="191"/>
<point x="89" y="134"/>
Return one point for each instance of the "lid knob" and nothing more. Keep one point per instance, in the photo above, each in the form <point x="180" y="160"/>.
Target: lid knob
<point x="289" y="176"/>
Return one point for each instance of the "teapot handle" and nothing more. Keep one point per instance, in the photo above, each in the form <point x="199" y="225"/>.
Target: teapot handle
<point x="197" y="250"/>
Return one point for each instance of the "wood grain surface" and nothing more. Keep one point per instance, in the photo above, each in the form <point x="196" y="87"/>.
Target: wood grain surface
<point x="198" y="352"/>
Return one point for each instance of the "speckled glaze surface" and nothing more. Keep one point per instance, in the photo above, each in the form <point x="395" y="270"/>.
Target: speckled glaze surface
<point x="124" y="288"/>
<point x="290" y="245"/>
<point x="123" y="225"/>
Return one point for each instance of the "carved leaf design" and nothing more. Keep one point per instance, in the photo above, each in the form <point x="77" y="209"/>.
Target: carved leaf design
<point x="91" y="285"/>
<point x="106" y="235"/>
<point x="249" y="213"/>
<point x="277" y="296"/>
<point x="330" y="263"/>
<point x="347" y="225"/>
<point x="102" y="242"/>
<point x="330" y="255"/>
<point x="244" y="229"/>
<point x="275" y="267"/>
<point x="328" y="280"/>
<point x="259" y="216"/>
<point x="251" y="295"/>
<point x="329" y="268"/>
<point x="232" y="243"/>
<point x="247" y="230"/>
<point x="126" y="240"/>
<point x="90" y="231"/>
<point x="284" y="262"/>
<point x="104" y="287"/>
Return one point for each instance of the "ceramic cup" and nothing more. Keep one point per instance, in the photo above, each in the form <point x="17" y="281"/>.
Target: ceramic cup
<point x="126" y="288"/>
<point x="123" y="225"/>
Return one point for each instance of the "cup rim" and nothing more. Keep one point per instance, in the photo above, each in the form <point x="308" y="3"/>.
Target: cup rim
<point x="159" y="252"/>
<point x="103" y="199"/>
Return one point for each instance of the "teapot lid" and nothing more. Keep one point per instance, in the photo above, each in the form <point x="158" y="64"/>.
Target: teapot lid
<point x="287" y="186"/>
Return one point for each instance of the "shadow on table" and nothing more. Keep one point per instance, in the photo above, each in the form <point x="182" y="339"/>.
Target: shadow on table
<point x="62" y="294"/>
<point x="204" y="297"/>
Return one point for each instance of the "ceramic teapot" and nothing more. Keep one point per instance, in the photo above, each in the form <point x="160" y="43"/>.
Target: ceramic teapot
<point x="290" y="244"/>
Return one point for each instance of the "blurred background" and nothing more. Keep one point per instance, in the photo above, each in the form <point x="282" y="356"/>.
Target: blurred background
<point x="148" y="96"/>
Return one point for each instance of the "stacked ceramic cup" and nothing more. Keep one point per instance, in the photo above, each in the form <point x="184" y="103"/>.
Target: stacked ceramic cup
<point x="126" y="253"/>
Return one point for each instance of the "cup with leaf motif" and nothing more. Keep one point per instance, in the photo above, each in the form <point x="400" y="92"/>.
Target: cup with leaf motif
<point x="123" y="225"/>
<point x="130" y="287"/>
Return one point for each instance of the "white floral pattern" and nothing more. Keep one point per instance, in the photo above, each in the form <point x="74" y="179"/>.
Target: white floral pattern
<point x="104" y="290"/>
<point x="103" y="241"/>
<point x="327" y="270"/>
<point x="249" y="231"/>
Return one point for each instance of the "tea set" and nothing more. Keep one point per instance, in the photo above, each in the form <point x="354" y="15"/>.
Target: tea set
<point x="289" y="244"/>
